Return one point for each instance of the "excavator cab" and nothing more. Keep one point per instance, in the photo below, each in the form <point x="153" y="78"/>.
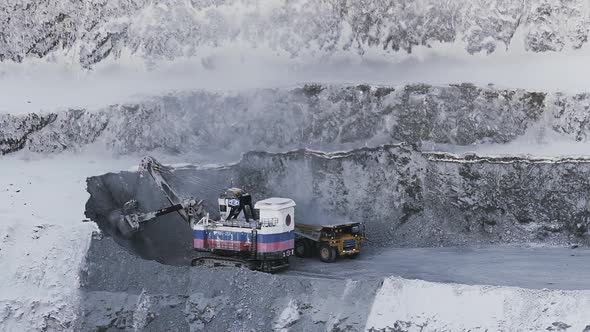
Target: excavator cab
<point x="233" y="201"/>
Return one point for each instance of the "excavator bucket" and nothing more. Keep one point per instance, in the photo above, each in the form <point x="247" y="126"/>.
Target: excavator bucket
<point x="121" y="219"/>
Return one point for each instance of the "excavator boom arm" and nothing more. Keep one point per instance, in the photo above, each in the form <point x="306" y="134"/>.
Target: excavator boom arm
<point x="153" y="168"/>
<point x="188" y="209"/>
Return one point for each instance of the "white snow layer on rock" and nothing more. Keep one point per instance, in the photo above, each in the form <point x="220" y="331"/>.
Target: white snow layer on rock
<point x="91" y="32"/>
<point x="415" y="305"/>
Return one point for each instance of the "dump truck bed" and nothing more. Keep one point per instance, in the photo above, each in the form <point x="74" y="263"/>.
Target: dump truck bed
<point x="313" y="232"/>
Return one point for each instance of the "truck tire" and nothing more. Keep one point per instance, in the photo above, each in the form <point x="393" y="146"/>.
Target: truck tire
<point x="327" y="253"/>
<point x="301" y="248"/>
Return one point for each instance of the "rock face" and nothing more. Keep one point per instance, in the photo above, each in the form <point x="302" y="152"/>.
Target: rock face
<point x="406" y="197"/>
<point x="90" y="32"/>
<point x="16" y="130"/>
<point x="224" y="125"/>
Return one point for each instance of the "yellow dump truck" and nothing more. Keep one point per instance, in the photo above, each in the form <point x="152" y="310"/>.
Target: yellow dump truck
<point x="329" y="241"/>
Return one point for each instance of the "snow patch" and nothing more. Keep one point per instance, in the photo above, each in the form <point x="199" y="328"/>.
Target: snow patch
<point x="140" y="315"/>
<point x="416" y="305"/>
<point x="289" y="316"/>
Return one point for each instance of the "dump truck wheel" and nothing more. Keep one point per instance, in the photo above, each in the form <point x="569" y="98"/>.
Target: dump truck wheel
<point x="327" y="253"/>
<point x="301" y="248"/>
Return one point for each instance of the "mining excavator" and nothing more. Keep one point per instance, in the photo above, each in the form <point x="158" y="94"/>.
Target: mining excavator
<point x="259" y="237"/>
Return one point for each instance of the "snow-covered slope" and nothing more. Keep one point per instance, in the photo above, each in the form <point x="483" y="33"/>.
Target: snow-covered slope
<point x="43" y="240"/>
<point x="90" y="32"/>
<point x="414" y="305"/>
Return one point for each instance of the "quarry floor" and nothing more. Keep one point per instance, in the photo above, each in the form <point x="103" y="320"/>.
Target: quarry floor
<point x="526" y="267"/>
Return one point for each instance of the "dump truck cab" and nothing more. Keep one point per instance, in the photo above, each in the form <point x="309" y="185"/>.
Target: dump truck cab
<point x="329" y="241"/>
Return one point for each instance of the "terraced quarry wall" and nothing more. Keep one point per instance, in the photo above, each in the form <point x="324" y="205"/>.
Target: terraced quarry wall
<point x="327" y="118"/>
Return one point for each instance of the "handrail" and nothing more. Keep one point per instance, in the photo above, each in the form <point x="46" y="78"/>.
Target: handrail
<point x="269" y="222"/>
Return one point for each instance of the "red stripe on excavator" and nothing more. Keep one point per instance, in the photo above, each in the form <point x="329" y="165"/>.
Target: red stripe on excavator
<point x="275" y="246"/>
<point x="221" y="244"/>
<point x="242" y="246"/>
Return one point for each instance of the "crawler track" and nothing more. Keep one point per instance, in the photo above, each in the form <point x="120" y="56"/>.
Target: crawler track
<point x="214" y="261"/>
